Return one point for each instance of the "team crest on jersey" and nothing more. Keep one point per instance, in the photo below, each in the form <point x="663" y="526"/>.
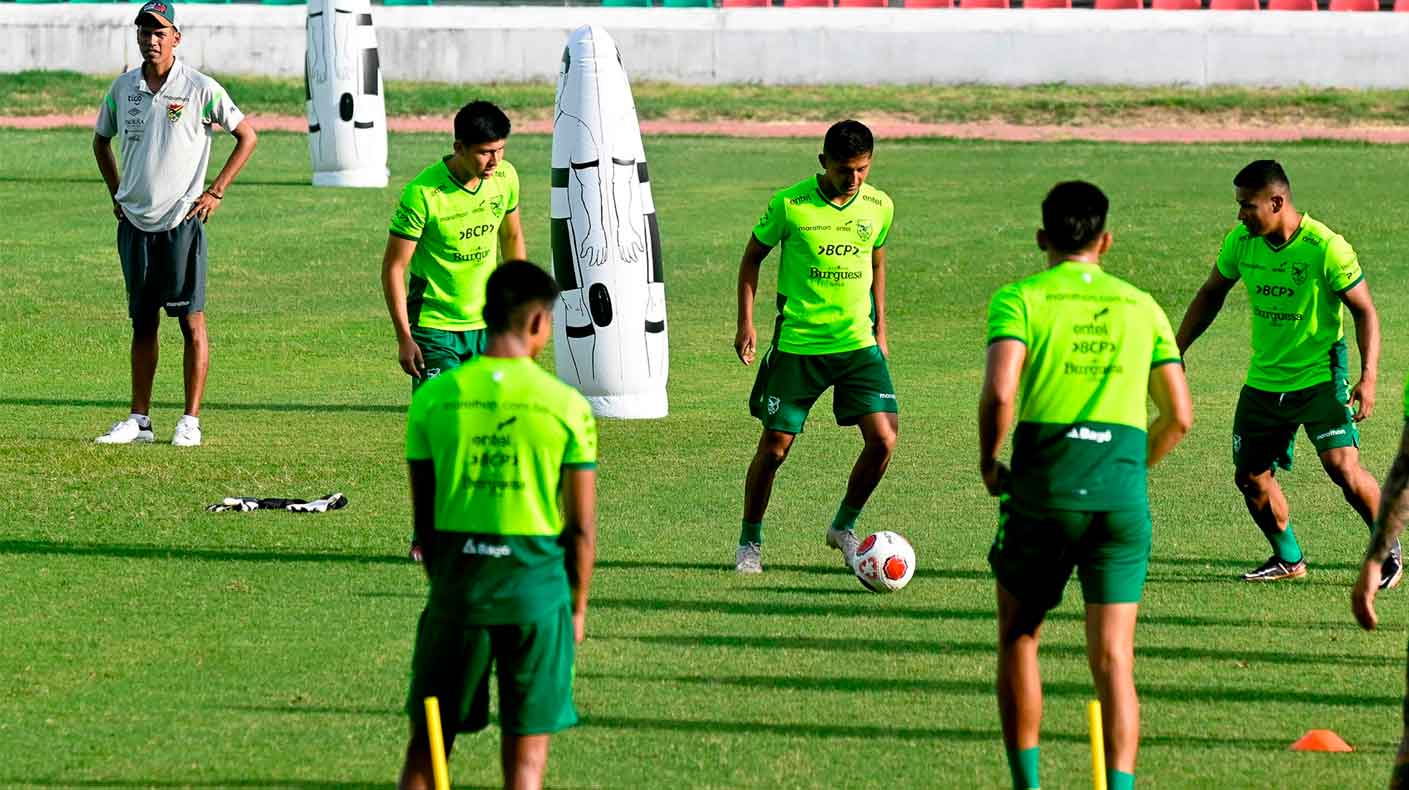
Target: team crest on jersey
<point x="863" y="229"/>
<point x="1299" y="273"/>
<point x="496" y="205"/>
<point x="173" y="111"/>
<point x="773" y="404"/>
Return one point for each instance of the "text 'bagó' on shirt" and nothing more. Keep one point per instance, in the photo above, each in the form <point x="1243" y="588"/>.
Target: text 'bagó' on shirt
<point x="456" y="231"/>
<point x="499" y="432"/>
<point x="1294" y="298"/>
<point x="164" y="141"/>
<point x="824" y="271"/>
<point x="1091" y="340"/>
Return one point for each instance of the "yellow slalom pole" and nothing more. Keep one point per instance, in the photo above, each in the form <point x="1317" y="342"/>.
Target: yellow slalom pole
<point x="438" y="766"/>
<point x="1098" y="745"/>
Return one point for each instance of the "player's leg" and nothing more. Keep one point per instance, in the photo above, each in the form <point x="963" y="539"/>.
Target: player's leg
<point x="452" y="663"/>
<point x="1361" y="490"/>
<point x="864" y="395"/>
<point x="1264" y="432"/>
<point x="183" y="257"/>
<point x="145" y="314"/>
<point x="145" y="352"/>
<point x="534" y="664"/>
<point x="196" y="363"/>
<point x="768" y="457"/>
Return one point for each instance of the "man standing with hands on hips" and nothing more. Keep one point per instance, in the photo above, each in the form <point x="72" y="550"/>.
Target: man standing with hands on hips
<point x="163" y="112"/>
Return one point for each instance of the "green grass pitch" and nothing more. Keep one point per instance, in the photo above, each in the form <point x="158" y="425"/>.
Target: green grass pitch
<point x="149" y="644"/>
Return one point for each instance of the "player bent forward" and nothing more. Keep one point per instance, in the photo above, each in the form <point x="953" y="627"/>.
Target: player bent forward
<point x="831" y="330"/>
<point x="1084" y="348"/>
<point x="502" y="458"/>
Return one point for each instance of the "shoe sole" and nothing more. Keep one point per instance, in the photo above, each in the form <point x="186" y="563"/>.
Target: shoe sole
<point x="147" y="439"/>
<point x="747" y="571"/>
<point x="1296" y="574"/>
<point x="175" y="443"/>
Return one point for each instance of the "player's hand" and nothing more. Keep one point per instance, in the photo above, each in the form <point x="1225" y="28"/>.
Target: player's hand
<point x="995" y="477"/>
<point x="579" y="626"/>
<point x="746" y="343"/>
<point x="205" y="205"/>
<point x="1362" y="399"/>
<point x="409" y="355"/>
<point x="884" y="346"/>
<point x="117" y="210"/>
<point x="1362" y="596"/>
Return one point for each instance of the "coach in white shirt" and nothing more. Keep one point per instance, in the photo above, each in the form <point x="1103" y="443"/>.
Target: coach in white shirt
<point x="163" y="112"/>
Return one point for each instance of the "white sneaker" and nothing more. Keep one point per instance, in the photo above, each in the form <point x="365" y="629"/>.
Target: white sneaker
<point x="187" y="434"/>
<point x="126" y="432"/>
<point x="749" y="559"/>
<point x="844" y="540"/>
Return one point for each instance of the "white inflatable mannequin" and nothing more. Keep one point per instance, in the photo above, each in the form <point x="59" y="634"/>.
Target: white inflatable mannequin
<point x="609" y="326"/>
<point x="343" y="88"/>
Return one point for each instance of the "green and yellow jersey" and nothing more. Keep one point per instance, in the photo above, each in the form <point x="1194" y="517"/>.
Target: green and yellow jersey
<point x="824" y="275"/>
<point x="1091" y="340"/>
<point x="1294" y="294"/>
<point x="456" y="231"/>
<point x="499" y="432"/>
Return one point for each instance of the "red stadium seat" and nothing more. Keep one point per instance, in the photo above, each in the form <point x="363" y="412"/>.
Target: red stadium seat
<point x="1054" y="3"/>
<point x="1291" y="5"/>
<point x="743" y="3"/>
<point x="929" y="3"/>
<point x="1119" y="5"/>
<point x="983" y="4"/>
<point x="1234" y="5"/>
<point x="1401" y="5"/>
<point x="1355" y="5"/>
<point x="862" y="3"/>
<point x="1176" y="5"/>
<point x="807" y="3"/>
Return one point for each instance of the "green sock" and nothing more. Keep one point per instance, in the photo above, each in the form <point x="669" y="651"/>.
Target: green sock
<point x="846" y="517"/>
<point x="752" y="532"/>
<point x="1023" y="764"/>
<point x="1119" y="780"/>
<point x="1284" y="544"/>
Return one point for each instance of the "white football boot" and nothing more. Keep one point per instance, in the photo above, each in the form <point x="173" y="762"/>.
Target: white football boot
<point x="188" y="433"/>
<point x="749" y="559"/>
<point x="127" y="431"/>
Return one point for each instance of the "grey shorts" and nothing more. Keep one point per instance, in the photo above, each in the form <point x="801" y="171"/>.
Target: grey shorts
<point x="165" y="269"/>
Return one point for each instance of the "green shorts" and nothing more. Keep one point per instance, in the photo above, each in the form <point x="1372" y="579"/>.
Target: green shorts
<point x="1035" y="551"/>
<point x="444" y="350"/>
<point x="788" y="385"/>
<point x="1265" y="423"/>
<point x="533" y="662"/>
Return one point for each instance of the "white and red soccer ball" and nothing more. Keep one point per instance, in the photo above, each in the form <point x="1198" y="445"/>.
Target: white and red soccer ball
<point x="885" y="562"/>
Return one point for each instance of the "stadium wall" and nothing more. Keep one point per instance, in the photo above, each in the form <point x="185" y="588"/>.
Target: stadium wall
<point x="465" y="44"/>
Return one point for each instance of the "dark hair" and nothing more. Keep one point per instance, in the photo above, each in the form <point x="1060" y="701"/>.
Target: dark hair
<point x="1262" y="174"/>
<point x="481" y="122"/>
<point x="847" y="140"/>
<point x="513" y="287"/>
<point x="1074" y="215"/>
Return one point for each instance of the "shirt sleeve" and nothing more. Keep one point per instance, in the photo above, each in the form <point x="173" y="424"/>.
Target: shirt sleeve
<point x="107" y="115"/>
<point x="1228" y="257"/>
<point x="1342" y="265"/>
<point x="581" y="450"/>
<point x="511" y="191"/>
<point x="220" y="109"/>
<point x="889" y="216"/>
<point x="1007" y="316"/>
<point x="409" y="220"/>
<point x="772" y="227"/>
<point x="1166" y="349"/>
<point x="418" y="446"/>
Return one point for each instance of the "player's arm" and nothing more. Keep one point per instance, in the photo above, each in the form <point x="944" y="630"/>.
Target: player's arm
<point x="210" y="200"/>
<point x="107" y="165"/>
<point x="996" y="407"/>
<point x="395" y="261"/>
<point x="422" y="475"/>
<point x="1367" y="337"/>
<point x="1170" y="392"/>
<point x="580" y="534"/>
<point x="745" y="338"/>
<point x="511" y="241"/>
<point x="1201" y="312"/>
<point x="1393" y="515"/>
<point x="878" y="295"/>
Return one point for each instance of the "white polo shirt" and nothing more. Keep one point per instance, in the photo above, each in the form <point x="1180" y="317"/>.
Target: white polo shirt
<point x="165" y="141"/>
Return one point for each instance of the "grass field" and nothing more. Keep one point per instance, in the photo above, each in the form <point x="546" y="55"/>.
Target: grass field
<point x="41" y="92"/>
<point x="150" y="644"/>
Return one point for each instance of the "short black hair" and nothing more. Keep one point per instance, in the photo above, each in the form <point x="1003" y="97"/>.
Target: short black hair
<point x="1074" y="215"/>
<point x="481" y="122"/>
<point x="1262" y="174"/>
<point x="512" y="287"/>
<point x="847" y="140"/>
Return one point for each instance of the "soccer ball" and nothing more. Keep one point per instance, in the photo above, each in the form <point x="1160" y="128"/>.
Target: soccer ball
<point x="885" y="562"/>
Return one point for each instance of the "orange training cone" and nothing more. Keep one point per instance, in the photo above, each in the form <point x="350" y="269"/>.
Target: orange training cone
<point x="1320" y="741"/>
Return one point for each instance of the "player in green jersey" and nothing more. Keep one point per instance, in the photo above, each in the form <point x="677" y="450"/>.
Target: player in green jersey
<point x="453" y="221"/>
<point x="1393" y="515"/>
<point x="830" y="331"/>
<point x="502" y="457"/>
<point x="1298" y="274"/>
<point x="1080" y="350"/>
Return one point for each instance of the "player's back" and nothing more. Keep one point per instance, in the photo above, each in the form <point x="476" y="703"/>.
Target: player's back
<point x="1091" y="340"/>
